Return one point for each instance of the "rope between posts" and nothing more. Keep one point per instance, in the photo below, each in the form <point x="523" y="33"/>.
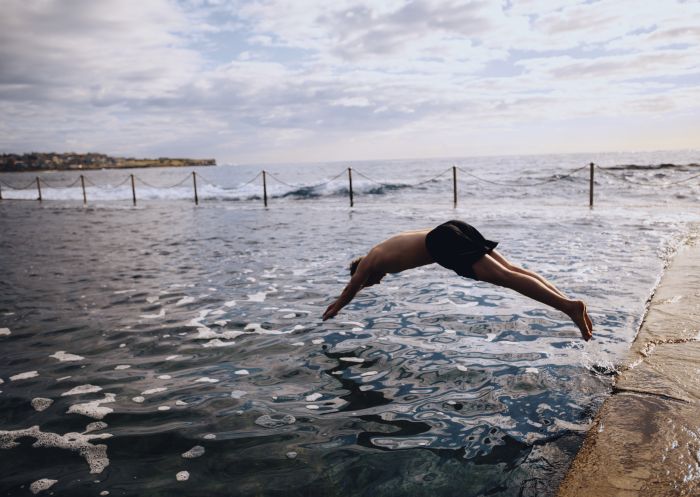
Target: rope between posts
<point x="322" y="183"/>
<point x="30" y="184"/>
<point x="108" y="187"/>
<point x="516" y="184"/>
<point x="48" y="185"/>
<point x="143" y="182"/>
<point x="410" y="185"/>
<point x="199" y="176"/>
<point x="605" y="170"/>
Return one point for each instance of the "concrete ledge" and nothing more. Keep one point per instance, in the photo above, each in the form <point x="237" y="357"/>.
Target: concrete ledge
<point x="645" y="440"/>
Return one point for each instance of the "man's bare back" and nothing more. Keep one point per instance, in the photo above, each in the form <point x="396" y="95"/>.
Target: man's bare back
<point x="399" y="253"/>
<point x="409" y="249"/>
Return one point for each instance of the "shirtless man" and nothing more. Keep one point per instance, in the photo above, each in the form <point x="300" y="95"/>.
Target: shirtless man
<point x="458" y="246"/>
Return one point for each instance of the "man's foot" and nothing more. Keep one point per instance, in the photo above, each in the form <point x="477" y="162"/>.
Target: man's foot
<point x="579" y="316"/>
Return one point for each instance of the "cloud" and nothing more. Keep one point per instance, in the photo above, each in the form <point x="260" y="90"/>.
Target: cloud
<point x="268" y="79"/>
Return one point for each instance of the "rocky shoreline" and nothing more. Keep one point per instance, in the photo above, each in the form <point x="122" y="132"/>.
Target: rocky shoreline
<point x="72" y="161"/>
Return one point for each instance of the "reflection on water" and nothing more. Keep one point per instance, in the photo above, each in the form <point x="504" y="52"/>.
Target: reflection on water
<point x="180" y="350"/>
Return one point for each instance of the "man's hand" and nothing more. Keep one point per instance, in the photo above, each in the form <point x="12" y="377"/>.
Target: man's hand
<point x="331" y="311"/>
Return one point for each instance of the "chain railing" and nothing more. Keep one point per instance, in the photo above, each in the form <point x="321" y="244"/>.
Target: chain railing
<point x="133" y="180"/>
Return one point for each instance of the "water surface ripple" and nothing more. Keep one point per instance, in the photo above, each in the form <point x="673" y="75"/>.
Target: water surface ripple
<point x="168" y="329"/>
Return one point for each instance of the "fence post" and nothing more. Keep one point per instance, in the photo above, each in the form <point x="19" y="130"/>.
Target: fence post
<point x="133" y="189"/>
<point x="82" y="184"/>
<point x="590" y="199"/>
<point x="0" y="192"/>
<point x="264" y="189"/>
<point x="194" y="181"/>
<point x="352" y="202"/>
<point x="38" y="187"/>
<point x="454" y="185"/>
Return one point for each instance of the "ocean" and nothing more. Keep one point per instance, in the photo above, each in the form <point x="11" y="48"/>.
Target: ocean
<point x="170" y="348"/>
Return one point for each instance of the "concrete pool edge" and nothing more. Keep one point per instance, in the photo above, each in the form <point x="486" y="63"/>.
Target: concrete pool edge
<point x="646" y="438"/>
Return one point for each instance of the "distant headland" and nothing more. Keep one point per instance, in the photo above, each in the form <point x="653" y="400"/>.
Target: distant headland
<point x="67" y="161"/>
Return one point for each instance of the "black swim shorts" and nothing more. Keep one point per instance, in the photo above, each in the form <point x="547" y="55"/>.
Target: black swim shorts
<point x="457" y="245"/>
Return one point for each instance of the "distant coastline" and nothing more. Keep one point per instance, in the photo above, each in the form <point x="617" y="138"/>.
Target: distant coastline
<point x="71" y="161"/>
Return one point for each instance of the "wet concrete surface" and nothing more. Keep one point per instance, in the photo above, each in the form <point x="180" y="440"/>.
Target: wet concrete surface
<point x="646" y="438"/>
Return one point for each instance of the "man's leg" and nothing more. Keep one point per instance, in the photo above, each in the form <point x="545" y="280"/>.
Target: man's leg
<point x="490" y="270"/>
<point x="513" y="267"/>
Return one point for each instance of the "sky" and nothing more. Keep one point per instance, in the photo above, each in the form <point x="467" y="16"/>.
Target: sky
<point x="265" y="81"/>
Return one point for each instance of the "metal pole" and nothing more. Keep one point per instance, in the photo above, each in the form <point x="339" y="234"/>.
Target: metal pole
<point x="82" y="183"/>
<point x="352" y="202"/>
<point x="264" y="189"/>
<point x="590" y="189"/>
<point x="133" y="189"/>
<point x="194" y="180"/>
<point x="454" y="185"/>
<point x="38" y="187"/>
<point x="0" y="192"/>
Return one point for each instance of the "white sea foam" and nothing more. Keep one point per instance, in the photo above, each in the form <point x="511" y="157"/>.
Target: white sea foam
<point x="138" y="399"/>
<point x="313" y="397"/>
<point x="5" y="332"/>
<point x="122" y="366"/>
<point x="180" y="403"/>
<point x="173" y="357"/>
<point x="161" y="314"/>
<point x="185" y="301"/>
<point x="95" y="426"/>
<point x="151" y="391"/>
<point x="194" y="452"/>
<point x="151" y="299"/>
<point x="94" y="409"/>
<point x="205" y="333"/>
<point x="218" y="343"/>
<point x="257" y="328"/>
<point x="182" y="476"/>
<point x="164" y="377"/>
<point x="81" y="389"/>
<point x="24" y="376"/>
<point x="352" y="359"/>
<point x="41" y="485"/>
<point x="163" y="408"/>
<point x="95" y="455"/>
<point x="206" y="379"/>
<point x="230" y="303"/>
<point x="209" y="436"/>
<point x="312" y="407"/>
<point x="64" y="356"/>
<point x="242" y="372"/>
<point x="41" y="403"/>
<point x="257" y="297"/>
<point x="353" y="323"/>
<point x="268" y="421"/>
<point x="237" y="394"/>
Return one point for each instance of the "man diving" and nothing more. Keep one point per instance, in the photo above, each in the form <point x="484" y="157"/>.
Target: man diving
<point x="458" y="246"/>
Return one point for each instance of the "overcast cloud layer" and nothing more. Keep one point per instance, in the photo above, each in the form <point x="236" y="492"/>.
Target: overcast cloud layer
<point x="297" y="80"/>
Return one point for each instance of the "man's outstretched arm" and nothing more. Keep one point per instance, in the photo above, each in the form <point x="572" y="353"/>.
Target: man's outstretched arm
<point x="355" y="285"/>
